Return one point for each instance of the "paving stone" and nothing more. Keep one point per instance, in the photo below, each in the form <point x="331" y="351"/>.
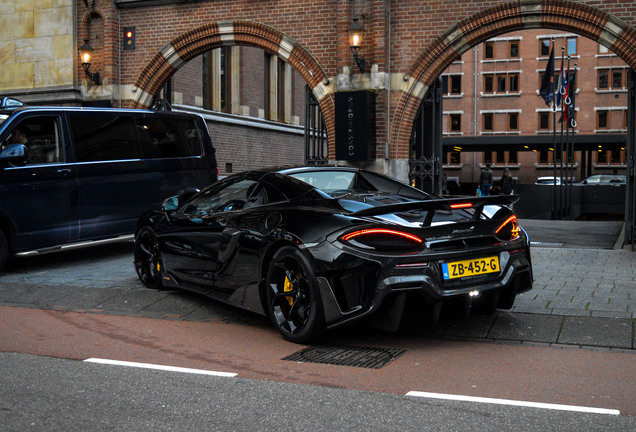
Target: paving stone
<point x="526" y="327"/>
<point x="605" y="332"/>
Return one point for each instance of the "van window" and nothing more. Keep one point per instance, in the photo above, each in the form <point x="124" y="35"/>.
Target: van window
<point x="168" y="137"/>
<point x="104" y="137"/>
<point x="42" y="138"/>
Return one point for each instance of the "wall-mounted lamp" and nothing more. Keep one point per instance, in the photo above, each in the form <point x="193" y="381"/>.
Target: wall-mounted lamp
<point x="86" y="52"/>
<point x="356" y="32"/>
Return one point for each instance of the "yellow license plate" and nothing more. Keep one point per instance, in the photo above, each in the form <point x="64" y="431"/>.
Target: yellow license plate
<point x="460" y="269"/>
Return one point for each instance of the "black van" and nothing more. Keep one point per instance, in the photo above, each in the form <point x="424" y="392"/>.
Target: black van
<point x="71" y="175"/>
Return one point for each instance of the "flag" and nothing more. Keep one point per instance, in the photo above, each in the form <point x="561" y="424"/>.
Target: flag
<point x="561" y="85"/>
<point x="572" y="92"/>
<point x="563" y="93"/>
<point x="547" y="82"/>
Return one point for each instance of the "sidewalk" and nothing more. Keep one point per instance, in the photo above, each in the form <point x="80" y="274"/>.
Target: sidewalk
<point x="582" y="296"/>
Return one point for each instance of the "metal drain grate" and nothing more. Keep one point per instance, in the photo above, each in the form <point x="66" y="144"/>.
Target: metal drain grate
<point x="372" y="358"/>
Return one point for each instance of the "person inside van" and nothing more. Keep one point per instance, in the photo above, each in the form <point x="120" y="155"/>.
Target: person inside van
<point x="18" y="136"/>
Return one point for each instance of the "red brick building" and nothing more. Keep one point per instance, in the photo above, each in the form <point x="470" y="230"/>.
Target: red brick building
<point x="407" y="45"/>
<point x="492" y="92"/>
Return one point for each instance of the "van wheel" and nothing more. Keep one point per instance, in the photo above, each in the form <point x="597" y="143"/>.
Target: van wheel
<point x="148" y="263"/>
<point x="4" y="250"/>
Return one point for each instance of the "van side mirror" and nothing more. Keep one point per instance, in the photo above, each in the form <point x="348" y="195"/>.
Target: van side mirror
<point x="14" y="153"/>
<point x="170" y="204"/>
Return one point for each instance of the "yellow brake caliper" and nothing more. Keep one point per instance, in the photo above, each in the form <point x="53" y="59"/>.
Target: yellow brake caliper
<point x="287" y="287"/>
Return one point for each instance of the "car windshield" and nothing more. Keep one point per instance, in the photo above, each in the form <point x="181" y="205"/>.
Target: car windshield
<point x="3" y="117"/>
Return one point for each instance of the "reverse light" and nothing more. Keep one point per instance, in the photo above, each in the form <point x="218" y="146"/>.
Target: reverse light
<point x="509" y="228"/>
<point x="382" y="239"/>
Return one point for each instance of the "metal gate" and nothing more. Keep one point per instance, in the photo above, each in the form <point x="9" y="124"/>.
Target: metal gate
<point x="316" y="145"/>
<point x="425" y="160"/>
<point x="630" y="201"/>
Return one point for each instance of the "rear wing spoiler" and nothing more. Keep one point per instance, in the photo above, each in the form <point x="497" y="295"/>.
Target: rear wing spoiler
<point x="475" y="203"/>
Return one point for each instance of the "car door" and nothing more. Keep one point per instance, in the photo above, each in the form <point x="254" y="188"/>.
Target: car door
<point x="203" y="241"/>
<point x="40" y="198"/>
<point x="247" y="235"/>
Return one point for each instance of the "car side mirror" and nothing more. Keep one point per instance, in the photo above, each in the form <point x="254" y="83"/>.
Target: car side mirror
<point x="14" y="153"/>
<point x="170" y="204"/>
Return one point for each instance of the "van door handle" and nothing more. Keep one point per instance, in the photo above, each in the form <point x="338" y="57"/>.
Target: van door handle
<point x="64" y="171"/>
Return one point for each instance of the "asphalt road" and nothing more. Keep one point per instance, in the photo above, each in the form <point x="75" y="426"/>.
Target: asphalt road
<point x="46" y="394"/>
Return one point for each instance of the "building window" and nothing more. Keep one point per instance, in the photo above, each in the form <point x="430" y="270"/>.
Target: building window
<point x="489" y="50"/>
<point x="603" y="79"/>
<point x="544" y="121"/>
<point x="455" y="122"/>
<point x="504" y="83"/>
<point x="617" y="79"/>
<point x="456" y="84"/>
<point x="452" y="84"/>
<point x="571" y="42"/>
<point x="545" y="156"/>
<point x="488" y="121"/>
<point x="453" y="158"/>
<point x="603" y="49"/>
<point x="513" y="49"/>
<point x="513" y="121"/>
<point x="513" y="81"/>
<point x="220" y="83"/>
<point x="601" y="119"/>
<point x="610" y="79"/>
<point x="501" y="83"/>
<point x="489" y="83"/>
<point x="500" y="157"/>
<point x="610" y="156"/>
<point x="544" y="47"/>
<point x="276" y="81"/>
<point x="281" y="77"/>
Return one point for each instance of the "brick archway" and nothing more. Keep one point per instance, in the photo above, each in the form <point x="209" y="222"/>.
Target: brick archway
<point x="195" y="42"/>
<point x="565" y="15"/>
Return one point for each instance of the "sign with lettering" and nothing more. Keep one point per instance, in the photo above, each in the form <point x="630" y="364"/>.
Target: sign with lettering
<point x="355" y="125"/>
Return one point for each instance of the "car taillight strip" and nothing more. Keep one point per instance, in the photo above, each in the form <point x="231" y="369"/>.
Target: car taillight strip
<point x="385" y="231"/>
<point x="512" y="219"/>
<point x="461" y="205"/>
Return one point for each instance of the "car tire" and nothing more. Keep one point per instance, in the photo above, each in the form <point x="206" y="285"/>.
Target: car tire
<point x="148" y="264"/>
<point x="4" y="250"/>
<point x="292" y="295"/>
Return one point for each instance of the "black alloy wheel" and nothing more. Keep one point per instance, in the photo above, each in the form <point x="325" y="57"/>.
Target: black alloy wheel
<point x="293" y="297"/>
<point x="148" y="258"/>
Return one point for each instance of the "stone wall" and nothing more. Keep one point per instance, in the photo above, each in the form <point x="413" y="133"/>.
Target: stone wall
<point x="37" y="48"/>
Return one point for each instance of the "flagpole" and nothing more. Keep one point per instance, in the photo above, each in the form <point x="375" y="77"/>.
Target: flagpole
<point x="561" y="180"/>
<point x="572" y="124"/>
<point x="566" y="119"/>
<point x="553" y="109"/>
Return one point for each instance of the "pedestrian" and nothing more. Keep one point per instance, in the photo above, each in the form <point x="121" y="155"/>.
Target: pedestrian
<point x="485" y="180"/>
<point x="506" y="183"/>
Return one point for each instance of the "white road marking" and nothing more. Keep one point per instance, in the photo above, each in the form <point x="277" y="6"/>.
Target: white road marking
<point x="160" y="367"/>
<point x="514" y="403"/>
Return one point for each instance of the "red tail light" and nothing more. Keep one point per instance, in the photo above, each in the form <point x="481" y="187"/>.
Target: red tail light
<point x="461" y="205"/>
<point x="509" y="229"/>
<point x="382" y="239"/>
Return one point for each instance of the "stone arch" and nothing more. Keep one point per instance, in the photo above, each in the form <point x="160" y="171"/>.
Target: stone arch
<point x="196" y="41"/>
<point x="565" y="15"/>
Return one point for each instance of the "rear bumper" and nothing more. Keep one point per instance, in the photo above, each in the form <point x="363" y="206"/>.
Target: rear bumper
<point x="366" y="287"/>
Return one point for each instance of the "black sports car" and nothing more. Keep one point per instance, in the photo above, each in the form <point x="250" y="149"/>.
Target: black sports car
<point x="318" y="247"/>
